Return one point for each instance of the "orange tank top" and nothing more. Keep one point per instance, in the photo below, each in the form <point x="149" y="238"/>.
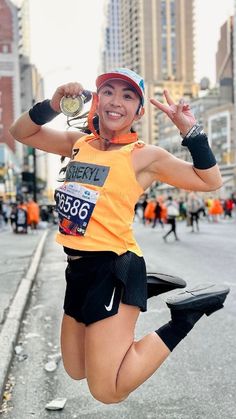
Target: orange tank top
<point x="96" y="202"/>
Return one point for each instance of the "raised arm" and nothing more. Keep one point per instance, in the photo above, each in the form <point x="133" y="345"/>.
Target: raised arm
<point x="29" y="128"/>
<point x="203" y="174"/>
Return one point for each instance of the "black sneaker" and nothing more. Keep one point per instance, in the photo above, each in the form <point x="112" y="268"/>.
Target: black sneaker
<point x="159" y="283"/>
<point x="205" y="298"/>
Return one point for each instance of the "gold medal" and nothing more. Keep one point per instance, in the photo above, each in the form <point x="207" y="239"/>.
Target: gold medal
<point x="71" y="106"/>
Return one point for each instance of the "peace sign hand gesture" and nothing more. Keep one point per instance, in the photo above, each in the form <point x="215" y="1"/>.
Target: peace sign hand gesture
<point x="180" y="114"/>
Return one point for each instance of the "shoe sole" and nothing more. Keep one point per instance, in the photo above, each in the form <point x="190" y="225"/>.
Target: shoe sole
<point x="163" y="279"/>
<point x="204" y="298"/>
<point x="158" y="283"/>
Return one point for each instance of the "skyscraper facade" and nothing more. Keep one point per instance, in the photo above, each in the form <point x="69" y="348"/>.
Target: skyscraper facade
<point x="156" y="39"/>
<point x="234" y="53"/>
<point x="11" y="153"/>
<point x="9" y="70"/>
<point x="234" y="76"/>
<point x="224" y="60"/>
<point x="20" y="85"/>
<point x="111" y="39"/>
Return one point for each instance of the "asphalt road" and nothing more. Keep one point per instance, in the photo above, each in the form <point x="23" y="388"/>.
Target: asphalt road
<point x="197" y="381"/>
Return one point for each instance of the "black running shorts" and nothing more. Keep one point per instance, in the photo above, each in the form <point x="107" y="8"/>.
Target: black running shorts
<point x="97" y="284"/>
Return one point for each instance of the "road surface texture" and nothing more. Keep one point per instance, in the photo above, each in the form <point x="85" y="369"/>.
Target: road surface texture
<point x="196" y="382"/>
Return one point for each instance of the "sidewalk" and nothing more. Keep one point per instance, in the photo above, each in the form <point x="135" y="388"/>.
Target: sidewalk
<point x="19" y="259"/>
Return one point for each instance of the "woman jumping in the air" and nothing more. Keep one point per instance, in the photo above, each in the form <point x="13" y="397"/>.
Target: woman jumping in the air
<point x="106" y="277"/>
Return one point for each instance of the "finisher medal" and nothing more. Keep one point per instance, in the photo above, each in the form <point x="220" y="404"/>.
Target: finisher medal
<point x="71" y="106"/>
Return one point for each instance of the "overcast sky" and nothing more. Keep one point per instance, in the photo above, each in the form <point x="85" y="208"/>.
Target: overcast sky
<point x="210" y="15"/>
<point x="65" y="39"/>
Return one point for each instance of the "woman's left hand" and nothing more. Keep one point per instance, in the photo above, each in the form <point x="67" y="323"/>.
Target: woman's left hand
<point x="180" y="114"/>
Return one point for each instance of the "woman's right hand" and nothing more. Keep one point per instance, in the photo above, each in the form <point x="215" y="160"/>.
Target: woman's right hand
<point x="73" y="89"/>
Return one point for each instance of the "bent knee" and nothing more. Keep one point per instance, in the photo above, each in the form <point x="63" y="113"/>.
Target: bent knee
<point x="107" y="397"/>
<point x="75" y="375"/>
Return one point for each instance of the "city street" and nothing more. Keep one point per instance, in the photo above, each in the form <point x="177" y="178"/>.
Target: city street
<point x="143" y="122"/>
<point x="197" y="381"/>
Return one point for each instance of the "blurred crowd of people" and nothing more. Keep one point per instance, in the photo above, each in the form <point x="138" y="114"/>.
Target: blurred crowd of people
<point x="25" y="215"/>
<point x="161" y="210"/>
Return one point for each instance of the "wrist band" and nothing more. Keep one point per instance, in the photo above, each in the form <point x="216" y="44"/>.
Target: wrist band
<point x="202" y="155"/>
<point x="41" y="112"/>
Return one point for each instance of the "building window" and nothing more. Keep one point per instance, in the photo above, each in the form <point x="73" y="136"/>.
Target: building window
<point x="220" y="138"/>
<point x="163" y="14"/>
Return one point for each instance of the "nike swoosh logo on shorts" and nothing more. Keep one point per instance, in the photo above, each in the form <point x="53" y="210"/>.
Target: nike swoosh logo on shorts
<point x="109" y="307"/>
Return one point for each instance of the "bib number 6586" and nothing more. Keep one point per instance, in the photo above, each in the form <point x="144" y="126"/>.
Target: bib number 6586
<point x="69" y="205"/>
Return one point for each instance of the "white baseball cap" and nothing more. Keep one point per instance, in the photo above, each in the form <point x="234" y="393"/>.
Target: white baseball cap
<point x="124" y="74"/>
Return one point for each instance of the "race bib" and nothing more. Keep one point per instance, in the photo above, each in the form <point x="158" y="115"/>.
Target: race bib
<point x="74" y="204"/>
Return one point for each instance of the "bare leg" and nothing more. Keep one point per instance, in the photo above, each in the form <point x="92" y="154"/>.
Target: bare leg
<point x="115" y="364"/>
<point x="72" y="346"/>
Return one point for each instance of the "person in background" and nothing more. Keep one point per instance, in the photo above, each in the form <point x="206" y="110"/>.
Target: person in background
<point x="208" y="204"/>
<point x="13" y="216"/>
<point x="21" y="218"/>
<point x="144" y="203"/>
<point x="158" y="215"/>
<point x="172" y="213"/>
<point x="32" y="214"/>
<point x="44" y="213"/>
<point x="1" y="213"/>
<point x="228" y="207"/>
<point x="149" y="213"/>
<point x="216" y="210"/>
<point x="182" y="209"/>
<point x="193" y="206"/>
<point x="6" y="210"/>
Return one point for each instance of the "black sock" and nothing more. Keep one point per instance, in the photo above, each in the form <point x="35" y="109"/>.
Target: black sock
<point x="178" y="327"/>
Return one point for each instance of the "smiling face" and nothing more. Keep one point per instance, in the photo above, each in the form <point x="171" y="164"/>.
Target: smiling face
<point x="117" y="108"/>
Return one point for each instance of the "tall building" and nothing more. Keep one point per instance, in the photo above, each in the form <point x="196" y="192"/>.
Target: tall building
<point x="224" y="60"/>
<point x="221" y="129"/>
<point x="234" y="57"/>
<point x="20" y="86"/>
<point x="111" y="47"/>
<point x="11" y="153"/>
<point x="234" y="52"/>
<point x="156" y="39"/>
<point x="34" y="168"/>
<point x="9" y="70"/>
<point x="234" y="86"/>
<point x="234" y="76"/>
